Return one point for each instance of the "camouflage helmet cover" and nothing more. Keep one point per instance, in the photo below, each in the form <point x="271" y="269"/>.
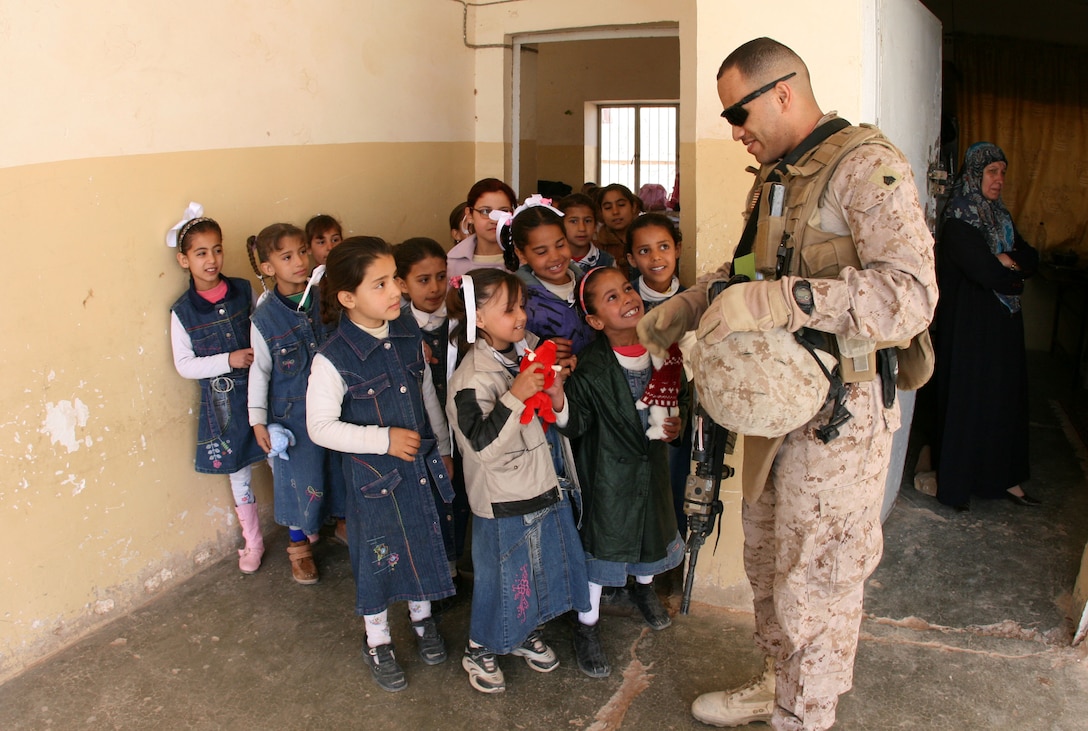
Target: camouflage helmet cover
<point x="762" y="384"/>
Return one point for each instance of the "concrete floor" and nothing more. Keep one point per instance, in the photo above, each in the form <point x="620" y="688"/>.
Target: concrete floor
<point x="965" y="629"/>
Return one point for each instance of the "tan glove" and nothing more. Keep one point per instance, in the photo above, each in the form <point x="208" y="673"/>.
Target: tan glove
<point x="752" y="307"/>
<point x="664" y="325"/>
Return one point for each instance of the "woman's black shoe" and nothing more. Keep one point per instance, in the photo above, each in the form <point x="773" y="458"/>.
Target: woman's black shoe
<point x="1025" y="500"/>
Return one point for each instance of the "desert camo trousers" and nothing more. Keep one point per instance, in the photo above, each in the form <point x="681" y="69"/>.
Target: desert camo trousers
<point x="810" y="541"/>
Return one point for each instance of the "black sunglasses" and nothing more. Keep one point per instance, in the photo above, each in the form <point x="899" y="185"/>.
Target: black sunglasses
<point x="737" y="115"/>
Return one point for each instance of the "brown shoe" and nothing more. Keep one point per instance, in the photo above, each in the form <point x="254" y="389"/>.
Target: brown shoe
<point x="340" y="535"/>
<point x="303" y="568"/>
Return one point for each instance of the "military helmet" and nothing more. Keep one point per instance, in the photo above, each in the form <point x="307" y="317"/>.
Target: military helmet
<point x="764" y="384"/>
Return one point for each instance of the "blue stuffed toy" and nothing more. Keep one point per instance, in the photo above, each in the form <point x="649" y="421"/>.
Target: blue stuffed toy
<point x="282" y="438"/>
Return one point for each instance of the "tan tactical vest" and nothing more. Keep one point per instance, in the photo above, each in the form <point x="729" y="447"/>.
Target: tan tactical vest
<point x="788" y="244"/>
<point x="816" y="253"/>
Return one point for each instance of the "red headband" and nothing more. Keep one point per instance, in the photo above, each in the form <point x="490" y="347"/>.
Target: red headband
<point x="582" y="285"/>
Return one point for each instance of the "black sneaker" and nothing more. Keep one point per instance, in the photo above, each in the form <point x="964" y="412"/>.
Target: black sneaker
<point x="443" y="605"/>
<point x="616" y="602"/>
<point x="432" y="650"/>
<point x="484" y="673"/>
<point x="652" y="609"/>
<point x="383" y="666"/>
<point x="587" y="648"/>
<point x="536" y="652"/>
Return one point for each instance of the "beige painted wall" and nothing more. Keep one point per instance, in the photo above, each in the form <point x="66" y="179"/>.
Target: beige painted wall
<point x="124" y="113"/>
<point x="124" y="78"/>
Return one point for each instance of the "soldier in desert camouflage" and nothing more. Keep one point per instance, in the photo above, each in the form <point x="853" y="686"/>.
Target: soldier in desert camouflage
<point x="858" y="270"/>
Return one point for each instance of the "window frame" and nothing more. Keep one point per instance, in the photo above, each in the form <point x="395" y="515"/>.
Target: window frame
<point x="637" y="107"/>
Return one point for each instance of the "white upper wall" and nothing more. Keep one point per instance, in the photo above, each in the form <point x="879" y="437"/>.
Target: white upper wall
<point x="106" y="79"/>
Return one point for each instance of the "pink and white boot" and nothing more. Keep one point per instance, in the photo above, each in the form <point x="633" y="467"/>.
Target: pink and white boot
<point x="249" y="558"/>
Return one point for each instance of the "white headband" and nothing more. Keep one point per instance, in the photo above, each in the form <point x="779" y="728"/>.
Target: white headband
<point x="468" y="291"/>
<point x="502" y="218"/>
<point x="195" y="210"/>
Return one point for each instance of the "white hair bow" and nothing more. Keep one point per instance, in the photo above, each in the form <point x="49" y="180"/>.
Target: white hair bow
<point x="315" y="278"/>
<point x="195" y="210"/>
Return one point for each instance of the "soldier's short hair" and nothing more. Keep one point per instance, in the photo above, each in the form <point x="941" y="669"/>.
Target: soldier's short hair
<point x="760" y="58"/>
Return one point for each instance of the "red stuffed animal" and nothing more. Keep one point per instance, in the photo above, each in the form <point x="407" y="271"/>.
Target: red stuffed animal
<point x="540" y="403"/>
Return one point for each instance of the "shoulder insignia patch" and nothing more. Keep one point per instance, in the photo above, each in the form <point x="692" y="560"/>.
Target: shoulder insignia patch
<point x="886" y="178"/>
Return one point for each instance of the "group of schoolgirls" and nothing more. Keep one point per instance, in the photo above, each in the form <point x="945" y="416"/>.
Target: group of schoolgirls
<point x="339" y="375"/>
<point x="252" y="359"/>
<point x="325" y="379"/>
<point x="548" y="458"/>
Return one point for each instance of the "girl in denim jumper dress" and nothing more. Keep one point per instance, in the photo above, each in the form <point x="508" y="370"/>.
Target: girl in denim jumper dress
<point x="370" y="397"/>
<point x="323" y="234"/>
<point x="528" y="564"/>
<point x="209" y="332"/>
<point x="421" y="276"/>
<point x="286" y="332"/>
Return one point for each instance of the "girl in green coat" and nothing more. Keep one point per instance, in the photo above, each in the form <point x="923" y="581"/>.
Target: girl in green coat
<point x="628" y="524"/>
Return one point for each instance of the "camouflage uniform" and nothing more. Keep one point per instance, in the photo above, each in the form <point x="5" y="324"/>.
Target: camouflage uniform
<point x="813" y="535"/>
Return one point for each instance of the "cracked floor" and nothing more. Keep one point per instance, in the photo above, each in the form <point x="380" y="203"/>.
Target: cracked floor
<point x="965" y="629"/>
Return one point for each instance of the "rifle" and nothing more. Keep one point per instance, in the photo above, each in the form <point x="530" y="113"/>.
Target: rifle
<point x="702" y="491"/>
<point x="702" y="501"/>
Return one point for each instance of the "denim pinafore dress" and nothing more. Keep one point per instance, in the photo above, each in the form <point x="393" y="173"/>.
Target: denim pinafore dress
<point x="301" y="483"/>
<point x="395" y="538"/>
<point x="224" y="440"/>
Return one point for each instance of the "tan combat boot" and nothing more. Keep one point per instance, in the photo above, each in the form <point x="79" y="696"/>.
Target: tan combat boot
<point x="750" y="703"/>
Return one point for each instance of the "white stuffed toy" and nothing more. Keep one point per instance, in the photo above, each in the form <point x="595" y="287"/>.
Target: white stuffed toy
<point x="662" y="394"/>
<point x="282" y="438"/>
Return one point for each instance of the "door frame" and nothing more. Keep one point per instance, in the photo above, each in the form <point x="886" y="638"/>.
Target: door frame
<point x="584" y="34"/>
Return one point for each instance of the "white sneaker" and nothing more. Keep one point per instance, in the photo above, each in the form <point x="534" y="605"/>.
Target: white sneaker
<point x="484" y="673"/>
<point x="536" y="652"/>
<point x="752" y="702"/>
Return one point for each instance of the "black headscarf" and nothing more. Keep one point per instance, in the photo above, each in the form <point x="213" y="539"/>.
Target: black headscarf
<point x="991" y="218"/>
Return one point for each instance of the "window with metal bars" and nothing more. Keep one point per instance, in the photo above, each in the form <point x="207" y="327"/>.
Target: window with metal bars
<point x="637" y="144"/>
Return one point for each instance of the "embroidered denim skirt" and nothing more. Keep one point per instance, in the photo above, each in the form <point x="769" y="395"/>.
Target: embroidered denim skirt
<point x="300" y="485"/>
<point x="224" y="439"/>
<point x="394" y="538"/>
<point x="528" y="569"/>
<point x="615" y="573"/>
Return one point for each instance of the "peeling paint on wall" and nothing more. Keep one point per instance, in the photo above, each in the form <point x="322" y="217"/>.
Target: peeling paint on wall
<point x="61" y="421"/>
<point x="77" y="485"/>
<point x="157" y="580"/>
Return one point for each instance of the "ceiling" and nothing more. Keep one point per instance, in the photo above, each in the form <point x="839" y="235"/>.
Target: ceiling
<point x="1050" y="21"/>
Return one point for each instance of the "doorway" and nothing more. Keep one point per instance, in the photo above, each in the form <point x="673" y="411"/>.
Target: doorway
<point x="560" y="83"/>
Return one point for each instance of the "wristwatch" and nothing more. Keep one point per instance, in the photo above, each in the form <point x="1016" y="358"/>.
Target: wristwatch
<point x="802" y="295"/>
